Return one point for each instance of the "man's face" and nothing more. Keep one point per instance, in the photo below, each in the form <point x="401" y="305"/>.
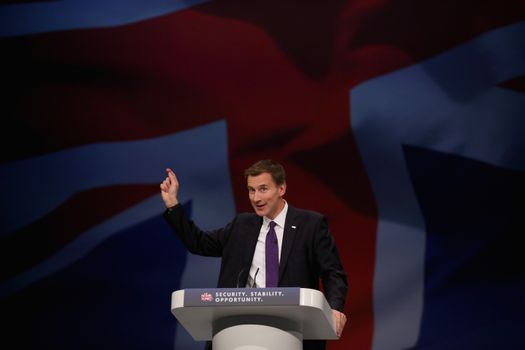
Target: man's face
<point x="265" y="195"/>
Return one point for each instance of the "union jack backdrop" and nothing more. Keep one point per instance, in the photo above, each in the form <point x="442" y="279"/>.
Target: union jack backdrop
<point x="402" y="121"/>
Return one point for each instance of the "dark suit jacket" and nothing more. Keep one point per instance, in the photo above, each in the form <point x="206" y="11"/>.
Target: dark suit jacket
<point x="308" y="251"/>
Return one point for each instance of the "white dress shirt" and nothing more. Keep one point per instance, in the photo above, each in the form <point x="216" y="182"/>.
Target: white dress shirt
<point x="258" y="261"/>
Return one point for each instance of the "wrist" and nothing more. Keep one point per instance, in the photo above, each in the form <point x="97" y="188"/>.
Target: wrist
<point x="169" y="209"/>
<point x="171" y="203"/>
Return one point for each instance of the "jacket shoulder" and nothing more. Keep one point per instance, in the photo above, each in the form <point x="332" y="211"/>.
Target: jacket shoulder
<point x="247" y="218"/>
<point x="305" y="212"/>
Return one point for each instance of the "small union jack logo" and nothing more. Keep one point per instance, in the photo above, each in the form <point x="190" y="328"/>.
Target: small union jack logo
<point x="206" y="297"/>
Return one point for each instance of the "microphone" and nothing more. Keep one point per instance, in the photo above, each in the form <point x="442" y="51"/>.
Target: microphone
<point x="239" y="276"/>
<point x="254" y="284"/>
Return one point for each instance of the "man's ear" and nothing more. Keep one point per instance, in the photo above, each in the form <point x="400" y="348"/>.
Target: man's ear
<point x="282" y="189"/>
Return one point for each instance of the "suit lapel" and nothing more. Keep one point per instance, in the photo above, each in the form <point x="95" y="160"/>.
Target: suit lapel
<point x="288" y="239"/>
<point x="251" y="239"/>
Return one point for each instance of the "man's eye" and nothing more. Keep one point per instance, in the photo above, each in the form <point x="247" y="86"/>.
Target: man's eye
<point x="264" y="189"/>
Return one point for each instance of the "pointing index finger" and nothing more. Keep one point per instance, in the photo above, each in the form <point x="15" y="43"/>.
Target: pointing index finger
<point x="171" y="175"/>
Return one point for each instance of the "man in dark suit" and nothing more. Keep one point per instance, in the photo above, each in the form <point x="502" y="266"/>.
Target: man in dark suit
<point x="304" y="249"/>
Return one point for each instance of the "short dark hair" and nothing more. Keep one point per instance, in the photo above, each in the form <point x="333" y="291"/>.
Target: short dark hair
<point x="267" y="166"/>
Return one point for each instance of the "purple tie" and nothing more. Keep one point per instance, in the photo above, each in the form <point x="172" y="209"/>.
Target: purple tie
<point x="272" y="258"/>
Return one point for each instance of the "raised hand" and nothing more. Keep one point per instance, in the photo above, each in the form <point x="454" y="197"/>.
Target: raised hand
<point x="169" y="189"/>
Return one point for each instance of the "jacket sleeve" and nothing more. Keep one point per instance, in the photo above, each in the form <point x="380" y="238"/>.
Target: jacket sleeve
<point x="333" y="276"/>
<point x="197" y="241"/>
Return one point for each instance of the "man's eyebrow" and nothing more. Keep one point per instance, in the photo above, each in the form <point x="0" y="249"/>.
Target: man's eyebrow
<point x="258" y="186"/>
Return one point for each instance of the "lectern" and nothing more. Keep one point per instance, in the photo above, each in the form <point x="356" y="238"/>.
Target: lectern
<point x="254" y="318"/>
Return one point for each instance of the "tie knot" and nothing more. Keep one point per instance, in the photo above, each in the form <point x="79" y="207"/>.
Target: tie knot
<point x="272" y="224"/>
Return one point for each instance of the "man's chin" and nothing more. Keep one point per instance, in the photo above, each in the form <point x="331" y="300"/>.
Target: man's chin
<point x="260" y="212"/>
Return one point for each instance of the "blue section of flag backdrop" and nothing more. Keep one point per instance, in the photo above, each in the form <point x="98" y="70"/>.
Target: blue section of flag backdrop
<point x="474" y="276"/>
<point x="47" y="16"/>
<point x="118" y="296"/>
